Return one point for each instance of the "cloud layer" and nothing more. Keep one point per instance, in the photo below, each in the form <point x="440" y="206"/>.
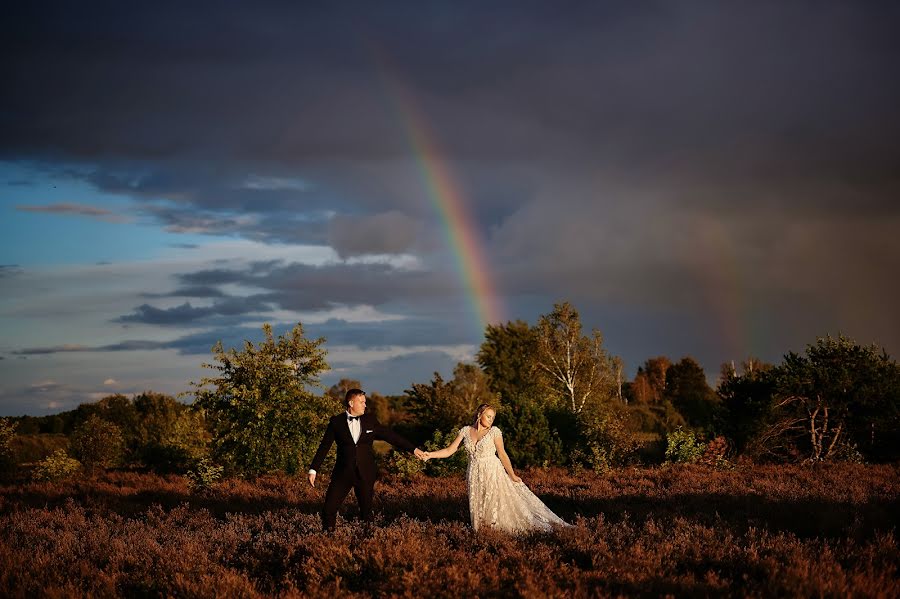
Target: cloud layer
<point x="698" y="178"/>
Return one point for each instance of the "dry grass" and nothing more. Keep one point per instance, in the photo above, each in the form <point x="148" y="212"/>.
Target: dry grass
<point x="759" y="531"/>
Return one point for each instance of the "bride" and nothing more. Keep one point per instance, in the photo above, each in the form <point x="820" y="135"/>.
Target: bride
<point x="497" y="496"/>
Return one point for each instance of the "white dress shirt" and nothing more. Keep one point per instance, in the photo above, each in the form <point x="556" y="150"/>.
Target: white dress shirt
<point x="354" y="427"/>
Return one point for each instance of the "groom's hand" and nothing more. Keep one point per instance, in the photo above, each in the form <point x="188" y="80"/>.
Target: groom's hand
<point x="420" y="454"/>
<point x="312" y="479"/>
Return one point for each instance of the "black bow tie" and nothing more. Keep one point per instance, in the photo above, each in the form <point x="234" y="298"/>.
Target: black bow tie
<point x="351" y="418"/>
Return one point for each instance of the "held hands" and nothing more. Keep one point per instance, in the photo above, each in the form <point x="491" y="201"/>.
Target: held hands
<point x="422" y="455"/>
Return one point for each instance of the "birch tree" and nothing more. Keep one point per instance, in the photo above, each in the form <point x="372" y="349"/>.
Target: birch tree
<point x="574" y="366"/>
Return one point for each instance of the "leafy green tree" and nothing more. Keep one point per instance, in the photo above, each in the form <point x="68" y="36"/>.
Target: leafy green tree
<point x="445" y="406"/>
<point x="687" y="389"/>
<point x="507" y="358"/>
<point x="574" y="367"/>
<point x="529" y="438"/>
<point x="259" y="408"/>
<point x="840" y="398"/>
<point x="97" y="443"/>
<point x="170" y="436"/>
<point x="747" y="413"/>
<point x="117" y="408"/>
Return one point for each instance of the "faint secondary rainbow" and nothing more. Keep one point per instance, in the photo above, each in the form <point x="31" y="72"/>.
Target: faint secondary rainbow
<point x="449" y="202"/>
<point x="725" y="290"/>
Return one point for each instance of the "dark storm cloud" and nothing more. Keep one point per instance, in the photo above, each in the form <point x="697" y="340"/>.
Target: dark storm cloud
<point x="387" y="233"/>
<point x="404" y="333"/>
<point x="130" y="345"/>
<point x="194" y="291"/>
<point x="297" y="286"/>
<point x="662" y="156"/>
<point x="363" y="335"/>
<point x="187" y="314"/>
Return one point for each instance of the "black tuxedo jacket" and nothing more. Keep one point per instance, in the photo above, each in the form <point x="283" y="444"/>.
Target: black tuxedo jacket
<point x="350" y="456"/>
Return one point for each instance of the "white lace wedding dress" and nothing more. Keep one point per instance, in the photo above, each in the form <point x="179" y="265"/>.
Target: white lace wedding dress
<point x="494" y="499"/>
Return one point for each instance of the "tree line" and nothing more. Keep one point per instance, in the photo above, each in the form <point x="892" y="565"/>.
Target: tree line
<point x="561" y="399"/>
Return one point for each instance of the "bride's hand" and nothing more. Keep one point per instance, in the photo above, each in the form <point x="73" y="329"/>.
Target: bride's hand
<point x="516" y="478"/>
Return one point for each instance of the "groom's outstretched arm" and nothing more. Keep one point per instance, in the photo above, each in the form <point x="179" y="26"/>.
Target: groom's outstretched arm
<point x="385" y="434"/>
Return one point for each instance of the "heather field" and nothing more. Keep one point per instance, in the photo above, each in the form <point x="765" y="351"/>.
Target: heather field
<point x="682" y="531"/>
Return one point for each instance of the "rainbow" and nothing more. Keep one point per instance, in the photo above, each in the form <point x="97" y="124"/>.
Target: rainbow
<point x="725" y="290"/>
<point x="449" y="202"/>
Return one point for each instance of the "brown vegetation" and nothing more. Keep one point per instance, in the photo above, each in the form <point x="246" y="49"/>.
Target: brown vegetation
<point x="683" y="530"/>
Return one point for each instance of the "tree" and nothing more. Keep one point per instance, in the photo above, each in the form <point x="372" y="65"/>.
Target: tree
<point x="530" y="439"/>
<point x="747" y="407"/>
<point x="840" y="397"/>
<point x="117" y="409"/>
<point x="376" y="403"/>
<point x="170" y="436"/>
<point x="97" y="443"/>
<point x="507" y="358"/>
<point x="574" y="367"/>
<point x="338" y="391"/>
<point x="446" y="406"/>
<point x="260" y="411"/>
<point x="687" y="389"/>
<point x="649" y="384"/>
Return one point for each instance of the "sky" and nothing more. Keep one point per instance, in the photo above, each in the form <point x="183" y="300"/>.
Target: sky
<point x="705" y="179"/>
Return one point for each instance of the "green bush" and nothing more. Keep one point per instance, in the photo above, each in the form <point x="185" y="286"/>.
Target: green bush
<point x="404" y="465"/>
<point x="7" y="434"/>
<point x="447" y="466"/>
<point x="528" y="436"/>
<point x="56" y="467"/>
<point x="607" y="440"/>
<point x="204" y="475"/>
<point x="97" y="443"/>
<point x="683" y="447"/>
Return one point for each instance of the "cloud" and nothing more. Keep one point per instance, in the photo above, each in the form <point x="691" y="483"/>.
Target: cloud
<point x="395" y="374"/>
<point x="386" y="233"/>
<point x="186" y="313"/>
<point x="75" y="209"/>
<point x="694" y="177"/>
<point x="8" y="270"/>
<point x="193" y="291"/>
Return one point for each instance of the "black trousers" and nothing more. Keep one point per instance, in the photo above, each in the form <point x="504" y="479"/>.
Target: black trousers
<point x="337" y="492"/>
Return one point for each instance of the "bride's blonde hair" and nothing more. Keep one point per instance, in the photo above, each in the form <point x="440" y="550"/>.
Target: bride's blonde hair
<point x="481" y="409"/>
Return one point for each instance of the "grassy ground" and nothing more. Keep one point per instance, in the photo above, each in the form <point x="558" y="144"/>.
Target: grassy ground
<point x="683" y="531"/>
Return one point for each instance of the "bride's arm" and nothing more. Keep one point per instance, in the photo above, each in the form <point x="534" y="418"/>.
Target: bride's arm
<point x="447" y="451"/>
<point x="504" y="459"/>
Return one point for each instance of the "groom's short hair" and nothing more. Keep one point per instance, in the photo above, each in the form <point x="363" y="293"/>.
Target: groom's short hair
<point x="351" y="394"/>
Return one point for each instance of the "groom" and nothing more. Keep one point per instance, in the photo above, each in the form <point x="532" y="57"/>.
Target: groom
<point x="354" y="431"/>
